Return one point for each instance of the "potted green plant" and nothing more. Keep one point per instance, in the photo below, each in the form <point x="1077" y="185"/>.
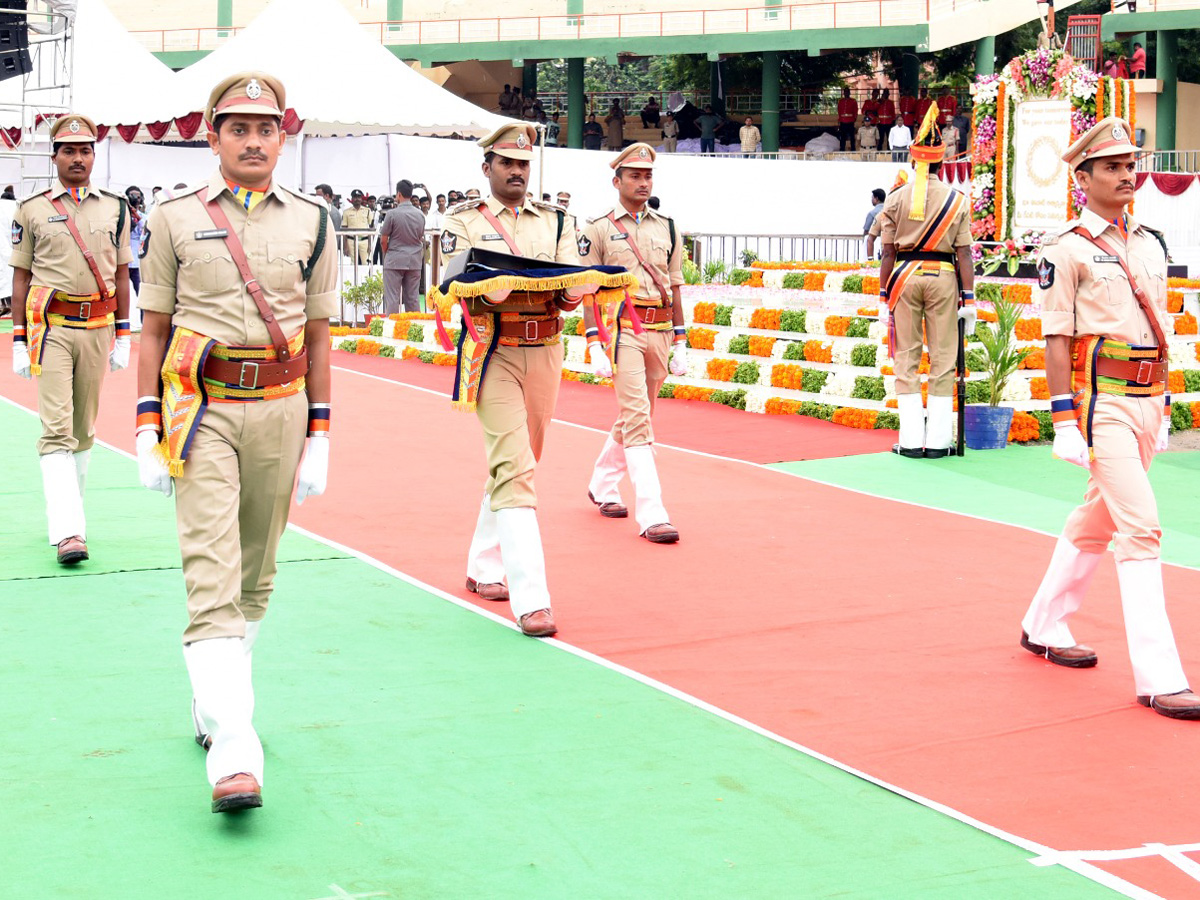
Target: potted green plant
<point x="986" y="425"/>
<point x="366" y="296"/>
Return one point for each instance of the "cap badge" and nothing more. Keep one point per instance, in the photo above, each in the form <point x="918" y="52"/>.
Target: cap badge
<point x="1119" y="134"/>
<point x="522" y="142"/>
<point x="73" y="127"/>
<point x="643" y="153"/>
<point x="253" y="89"/>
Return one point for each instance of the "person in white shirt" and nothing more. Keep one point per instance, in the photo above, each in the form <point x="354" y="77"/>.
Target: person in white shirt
<point x="899" y="139"/>
<point x="749" y="136"/>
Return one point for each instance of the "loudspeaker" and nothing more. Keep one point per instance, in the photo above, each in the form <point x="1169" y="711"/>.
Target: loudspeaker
<point x="14" y="41"/>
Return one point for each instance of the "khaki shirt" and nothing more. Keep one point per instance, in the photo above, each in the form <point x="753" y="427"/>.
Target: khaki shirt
<point x="356" y="218"/>
<point x="897" y="228"/>
<point x="868" y="137"/>
<point x="535" y="230"/>
<point x="47" y="249"/>
<point x="194" y="280"/>
<point x="1084" y="293"/>
<point x="602" y="243"/>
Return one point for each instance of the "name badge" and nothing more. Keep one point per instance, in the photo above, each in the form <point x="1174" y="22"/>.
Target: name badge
<point x="211" y="234"/>
<point x="491" y="237"/>
<point x="619" y="237"/>
<point x="61" y="218"/>
<point x="1112" y="259"/>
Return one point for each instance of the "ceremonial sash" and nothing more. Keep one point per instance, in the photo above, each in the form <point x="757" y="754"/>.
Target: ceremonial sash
<point x="1087" y="353"/>
<point x="475" y="348"/>
<point x="935" y="230"/>
<point x="1138" y="294"/>
<point x="184" y="398"/>
<point x="37" y="324"/>
<point x="87" y="253"/>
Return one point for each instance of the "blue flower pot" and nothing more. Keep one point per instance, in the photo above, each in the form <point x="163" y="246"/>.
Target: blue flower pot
<point x="986" y="427"/>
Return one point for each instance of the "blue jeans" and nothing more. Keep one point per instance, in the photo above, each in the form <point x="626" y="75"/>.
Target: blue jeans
<point x="708" y="145"/>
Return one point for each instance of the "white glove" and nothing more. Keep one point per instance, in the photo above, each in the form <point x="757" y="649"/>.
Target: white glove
<point x="1070" y="446"/>
<point x="601" y="364"/>
<point x="21" y="359"/>
<point x="678" y="364"/>
<point x="884" y="311"/>
<point x="314" y="471"/>
<point x="969" y="316"/>
<point x="118" y="356"/>
<point x="1164" y="431"/>
<point x="151" y="469"/>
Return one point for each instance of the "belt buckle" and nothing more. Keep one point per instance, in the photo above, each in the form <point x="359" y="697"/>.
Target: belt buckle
<point x="85" y="309"/>
<point x="531" y="330"/>
<point x="242" y="377"/>
<point x="1145" y="371"/>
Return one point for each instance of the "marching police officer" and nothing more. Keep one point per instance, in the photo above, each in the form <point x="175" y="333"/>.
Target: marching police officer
<point x="1102" y="281"/>
<point x="238" y="284"/>
<point x="648" y="244"/>
<point x="70" y="310"/>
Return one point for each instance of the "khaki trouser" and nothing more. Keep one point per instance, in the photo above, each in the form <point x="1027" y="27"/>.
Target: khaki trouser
<point x="640" y="372"/>
<point x="931" y="300"/>
<point x="1119" y="504"/>
<point x="231" y="506"/>
<point x="74" y="361"/>
<point x="516" y="402"/>
<point x="670" y="144"/>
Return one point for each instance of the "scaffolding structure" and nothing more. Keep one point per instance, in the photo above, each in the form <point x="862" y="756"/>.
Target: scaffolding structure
<point x="33" y="99"/>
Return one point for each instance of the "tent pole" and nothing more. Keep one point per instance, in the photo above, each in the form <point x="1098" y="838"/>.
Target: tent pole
<point x="541" y="158"/>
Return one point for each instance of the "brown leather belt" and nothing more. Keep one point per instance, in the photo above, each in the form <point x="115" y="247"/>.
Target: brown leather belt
<point x="531" y="329"/>
<point x="81" y="309"/>
<point x="655" y="315"/>
<point x="1143" y="372"/>
<point x="251" y="374"/>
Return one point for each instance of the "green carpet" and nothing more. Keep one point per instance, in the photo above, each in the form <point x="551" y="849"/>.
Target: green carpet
<point x="414" y="750"/>
<point x="1022" y="486"/>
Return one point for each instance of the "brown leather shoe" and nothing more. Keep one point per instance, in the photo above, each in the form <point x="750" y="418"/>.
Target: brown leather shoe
<point x="539" y="623"/>
<point x="494" y="591"/>
<point x="1180" y="705"/>
<point x="611" y="510"/>
<point x="1077" y="657"/>
<point x="234" y="792"/>
<point x="72" y="550"/>
<point x="666" y="533"/>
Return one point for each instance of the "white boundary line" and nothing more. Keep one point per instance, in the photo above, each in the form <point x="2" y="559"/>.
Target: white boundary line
<point x="766" y="468"/>
<point x="1043" y="852"/>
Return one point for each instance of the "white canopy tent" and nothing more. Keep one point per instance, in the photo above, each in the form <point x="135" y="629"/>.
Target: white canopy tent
<point x="291" y="38"/>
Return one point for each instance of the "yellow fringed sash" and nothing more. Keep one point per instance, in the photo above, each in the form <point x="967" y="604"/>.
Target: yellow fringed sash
<point x="36" y="323"/>
<point x="183" y="399"/>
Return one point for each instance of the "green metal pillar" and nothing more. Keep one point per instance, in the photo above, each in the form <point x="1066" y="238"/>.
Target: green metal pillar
<point x="395" y="12"/>
<point x="770" y="101"/>
<point x="985" y="56"/>
<point x="1166" y="71"/>
<point x="529" y="80"/>
<point x="576" y="103"/>
<point x="714" y="87"/>
<point x="910" y="74"/>
<point x="224" y="16"/>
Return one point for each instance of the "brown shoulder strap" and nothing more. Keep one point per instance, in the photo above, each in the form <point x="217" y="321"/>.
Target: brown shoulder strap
<point x="1138" y="293"/>
<point x="662" y="288"/>
<point x="87" y="254"/>
<point x="239" y="258"/>
<point x="500" y="229"/>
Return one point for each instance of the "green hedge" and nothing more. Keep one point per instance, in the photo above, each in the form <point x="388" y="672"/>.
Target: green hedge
<point x="734" y="399"/>
<point x="350" y="345"/>
<point x="858" y="327"/>
<point x="794" y="350"/>
<point x="388" y="351"/>
<point x="817" y="410"/>
<point x="1191" y="380"/>
<point x="853" y="284"/>
<point x="416" y="333"/>
<point x="375" y="329"/>
<point x="867" y="387"/>
<point x="1046" y="423"/>
<point x="1181" y="416"/>
<point x="888" y="419"/>
<point x="738" y="276"/>
<point x="794" y="281"/>
<point x="792" y="320"/>
<point x="740" y="344"/>
<point x="747" y="373"/>
<point x="812" y="380"/>
<point x="864" y="355"/>
<point x="571" y="324"/>
<point x="722" y="315"/>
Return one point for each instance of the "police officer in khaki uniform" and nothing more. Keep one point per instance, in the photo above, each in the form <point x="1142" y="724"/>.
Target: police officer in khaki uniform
<point x="648" y="244"/>
<point x="1106" y="363"/>
<point x="520" y="386"/>
<point x="268" y="387"/>
<point x="925" y="276"/>
<point x="70" y="297"/>
<point x="357" y="216"/>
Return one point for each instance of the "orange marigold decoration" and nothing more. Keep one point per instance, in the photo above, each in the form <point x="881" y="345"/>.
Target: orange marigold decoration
<point x="701" y="338"/>
<point x="766" y="319"/>
<point x="985" y="315"/>
<point x="761" y="345"/>
<point x="1001" y="158"/>
<point x="814" y="281"/>
<point x="445" y="359"/>
<point x="409" y="316"/>
<point x="778" y="407"/>
<point x="368" y="348"/>
<point x="1175" y="382"/>
<point x="721" y="369"/>
<point x="410" y="353"/>
<point x="1024" y="428"/>
<point x="1035" y="360"/>
<point x="1175" y="301"/>
<point x="870" y="284"/>
<point x="1185" y="324"/>
<point x="795" y="265"/>
<point x="1018" y="293"/>
<point x="1039" y="389"/>
<point x="1029" y="329"/>
<point x="815" y="351"/>
<point x="855" y="418"/>
<point x="892" y="404"/>
<point x="786" y="375"/>
<point x="871" y="311"/>
<point x="704" y="313"/>
<point x="687" y="392"/>
<point x="755" y="280"/>
<point x="837" y="325"/>
<point x="886" y="370"/>
<point x="1183" y="282"/>
<point x="342" y="331"/>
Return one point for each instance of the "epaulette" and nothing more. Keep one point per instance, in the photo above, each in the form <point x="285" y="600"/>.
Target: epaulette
<point x="307" y="198"/>
<point x="166" y="195"/>
<point x="1051" y="237"/>
<point x="1162" y="240"/>
<point x="464" y="206"/>
<point x="553" y="207"/>
<point x="40" y="193"/>
<point x="116" y="196"/>
<point x="603" y="215"/>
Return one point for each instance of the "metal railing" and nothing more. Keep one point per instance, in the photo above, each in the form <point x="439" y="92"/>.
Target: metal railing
<point x="1170" y="161"/>
<point x="1120" y="6"/>
<point x="590" y="26"/>
<point x="728" y="248"/>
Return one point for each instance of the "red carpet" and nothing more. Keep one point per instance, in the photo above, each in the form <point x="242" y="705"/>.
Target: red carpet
<point x="882" y="635"/>
<point x="707" y="427"/>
